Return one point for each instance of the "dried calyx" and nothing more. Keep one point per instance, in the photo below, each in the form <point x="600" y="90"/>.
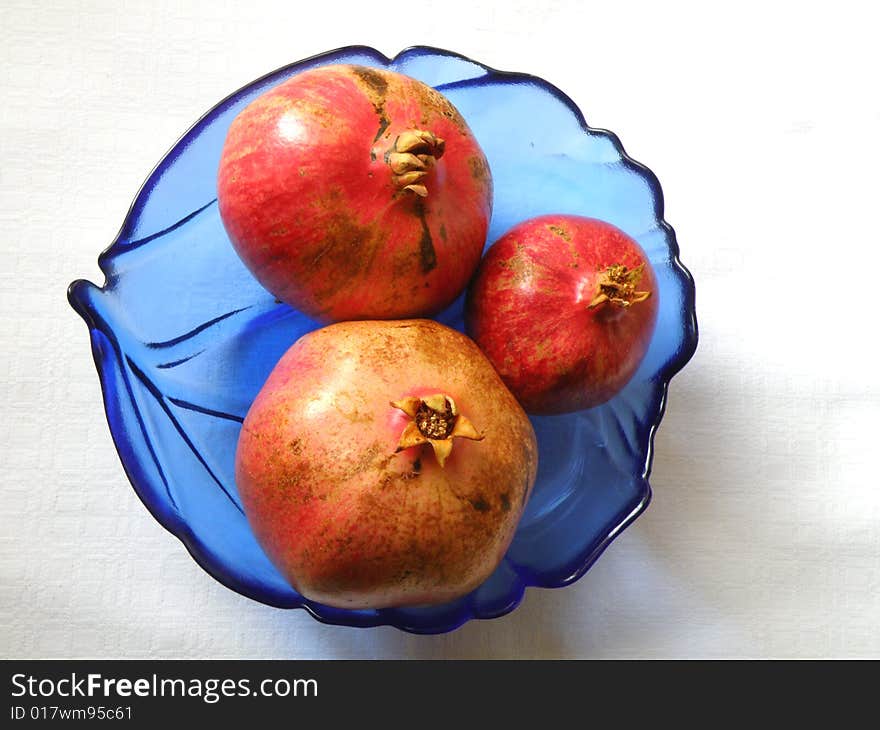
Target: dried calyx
<point x="617" y="285"/>
<point x="435" y="421"/>
<point x="412" y="156"/>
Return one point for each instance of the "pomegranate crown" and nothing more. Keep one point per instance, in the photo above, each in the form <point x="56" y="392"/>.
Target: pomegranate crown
<point x="435" y="421"/>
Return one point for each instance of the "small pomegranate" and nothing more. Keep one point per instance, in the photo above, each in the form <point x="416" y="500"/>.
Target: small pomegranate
<point x="356" y="193"/>
<point x="564" y="307"/>
<point x="384" y="463"/>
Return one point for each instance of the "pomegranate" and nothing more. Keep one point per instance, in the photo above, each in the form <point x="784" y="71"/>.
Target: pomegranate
<point x="384" y="463"/>
<point x="356" y="193"/>
<point x="564" y="307"/>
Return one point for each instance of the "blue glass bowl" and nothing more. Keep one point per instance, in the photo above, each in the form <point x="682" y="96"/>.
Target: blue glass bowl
<point x="183" y="338"/>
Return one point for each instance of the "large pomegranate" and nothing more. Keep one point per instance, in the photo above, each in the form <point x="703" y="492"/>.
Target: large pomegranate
<point x="356" y="193"/>
<point x="384" y="463"/>
<point x="564" y="307"/>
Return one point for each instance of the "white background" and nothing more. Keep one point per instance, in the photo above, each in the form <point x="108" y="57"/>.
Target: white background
<point x="763" y="539"/>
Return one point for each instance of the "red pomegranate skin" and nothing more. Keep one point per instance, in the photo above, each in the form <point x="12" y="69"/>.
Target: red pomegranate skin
<point x="311" y="201"/>
<point x="529" y="310"/>
<point x="348" y="520"/>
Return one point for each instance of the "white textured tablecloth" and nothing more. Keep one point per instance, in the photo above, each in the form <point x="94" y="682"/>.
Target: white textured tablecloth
<point x="761" y="121"/>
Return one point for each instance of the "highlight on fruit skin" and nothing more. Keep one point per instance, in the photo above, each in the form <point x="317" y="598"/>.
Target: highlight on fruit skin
<point x="353" y="192"/>
<point x="385" y="463"/>
<point x="565" y="307"/>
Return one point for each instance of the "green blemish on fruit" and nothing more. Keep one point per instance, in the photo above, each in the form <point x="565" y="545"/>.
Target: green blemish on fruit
<point x="427" y="254"/>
